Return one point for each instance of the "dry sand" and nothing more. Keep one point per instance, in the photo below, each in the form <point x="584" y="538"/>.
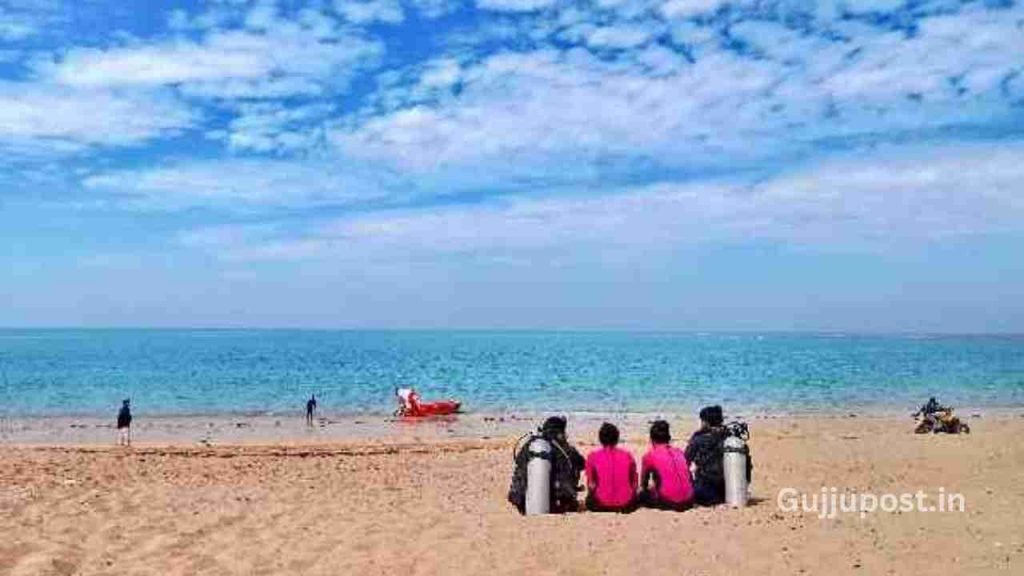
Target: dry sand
<point x="417" y="501"/>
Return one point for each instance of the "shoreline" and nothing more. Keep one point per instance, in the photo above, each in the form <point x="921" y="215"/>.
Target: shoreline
<point x="233" y="429"/>
<point x="757" y="411"/>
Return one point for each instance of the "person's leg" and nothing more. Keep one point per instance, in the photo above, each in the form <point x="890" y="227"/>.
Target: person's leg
<point x="563" y="505"/>
<point x="649" y="500"/>
<point x="646" y="499"/>
<point x="128" y="436"/>
<point x="708" y="494"/>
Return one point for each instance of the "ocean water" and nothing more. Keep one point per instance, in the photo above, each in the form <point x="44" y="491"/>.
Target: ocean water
<point x="88" y="372"/>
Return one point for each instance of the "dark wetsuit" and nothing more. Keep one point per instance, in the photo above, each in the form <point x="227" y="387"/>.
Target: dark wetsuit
<point x="124" y="418"/>
<point x="706" y="451"/>
<point x="310" y="407"/>
<point x="566" y="465"/>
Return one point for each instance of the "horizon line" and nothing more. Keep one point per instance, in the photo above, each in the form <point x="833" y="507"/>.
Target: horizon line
<point x="815" y="332"/>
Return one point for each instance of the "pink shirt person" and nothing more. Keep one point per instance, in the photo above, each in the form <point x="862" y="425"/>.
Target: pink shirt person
<point x="667" y="465"/>
<point x="611" y="477"/>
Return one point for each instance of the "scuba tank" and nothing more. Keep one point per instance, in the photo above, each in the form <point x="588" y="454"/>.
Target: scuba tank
<point x="538" y="477"/>
<point x="734" y="465"/>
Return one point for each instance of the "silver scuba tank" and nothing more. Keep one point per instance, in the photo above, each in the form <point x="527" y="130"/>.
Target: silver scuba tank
<point x="734" y="466"/>
<point x="538" y="477"/>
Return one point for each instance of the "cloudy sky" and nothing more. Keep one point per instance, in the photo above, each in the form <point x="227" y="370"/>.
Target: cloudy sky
<point x="851" y="165"/>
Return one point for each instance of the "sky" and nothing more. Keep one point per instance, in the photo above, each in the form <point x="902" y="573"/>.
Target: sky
<point x="747" y="165"/>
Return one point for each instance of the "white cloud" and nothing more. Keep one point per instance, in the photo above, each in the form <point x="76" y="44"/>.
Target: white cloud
<point x="713" y="107"/>
<point x="441" y="74"/>
<point x="228" y="57"/>
<point x="262" y="16"/>
<point x="527" y="107"/>
<point x="270" y="127"/>
<point x="789" y="46"/>
<point x="23" y="19"/>
<point x="514" y="5"/>
<point x="263" y="88"/>
<point x="435" y="8"/>
<point x="681" y="9"/>
<point x="250" y="242"/>
<point x="982" y="46"/>
<point x="40" y="113"/>
<point x="368" y="12"/>
<point x="286" y="56"/>
<point x="243" y="185"/>
<point x="891" y="195"/>
<point x="870" y="6"/>
<point x="13" y="27"/>
<point x="620" y="36"/>
<point x="961" y="192"/>
<point x="890" y="198"/>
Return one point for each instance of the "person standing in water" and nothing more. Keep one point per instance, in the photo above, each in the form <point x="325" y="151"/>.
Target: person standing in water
<point x="310" y="409"/>
<point x="124" y="424"/>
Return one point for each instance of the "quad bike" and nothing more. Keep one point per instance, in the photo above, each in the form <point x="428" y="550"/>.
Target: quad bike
<point x="941" y="421"/>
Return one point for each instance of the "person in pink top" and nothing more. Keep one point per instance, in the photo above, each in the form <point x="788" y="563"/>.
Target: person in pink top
<point x="665" y="473"/>
<point x="611" y="474"/>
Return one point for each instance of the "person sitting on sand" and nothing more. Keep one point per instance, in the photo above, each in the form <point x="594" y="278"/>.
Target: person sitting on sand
<point x="706" y="452"/>
<point x="611" y="474"/>
<point x="664" y="473"/>
<point x="566" y="466"/>
<point x="310" y="409"/>
<point x="124" y="424"/>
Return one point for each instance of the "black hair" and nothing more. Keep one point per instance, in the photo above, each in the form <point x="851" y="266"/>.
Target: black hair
<point x="608" y="435"/>
<point x="712" y="415"/>
<point x="660" y="432"/>
<point x="554" y="424"/>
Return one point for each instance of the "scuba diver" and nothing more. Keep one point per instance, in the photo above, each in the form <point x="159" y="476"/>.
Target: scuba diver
<point x="706" y="452"/>
<point x="310" y="409"/>
<point x="566" y="466"/>
<point x="664" y="473"/>
<point x="611" y="474"/>
<point x="124" y="424"/>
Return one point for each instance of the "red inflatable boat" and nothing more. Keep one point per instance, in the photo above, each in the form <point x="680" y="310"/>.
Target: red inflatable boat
<point x="409" y="405"/>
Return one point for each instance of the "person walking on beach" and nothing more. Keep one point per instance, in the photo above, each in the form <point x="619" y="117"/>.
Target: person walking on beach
<point x="611" y="474"/>
<point x="664" y="473"/>
<point x="124" y="424"/>
<point x="310" y="409"/>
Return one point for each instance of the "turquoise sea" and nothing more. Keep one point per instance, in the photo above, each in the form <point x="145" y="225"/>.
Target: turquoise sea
<point x="87" y="372"/>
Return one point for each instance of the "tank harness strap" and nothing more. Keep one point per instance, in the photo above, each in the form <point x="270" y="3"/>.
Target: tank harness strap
<point x="564" y="453"/>
<point x="516" y="449"/>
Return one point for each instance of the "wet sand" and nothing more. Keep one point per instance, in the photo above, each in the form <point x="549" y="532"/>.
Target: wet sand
<point x="430" y="499"/>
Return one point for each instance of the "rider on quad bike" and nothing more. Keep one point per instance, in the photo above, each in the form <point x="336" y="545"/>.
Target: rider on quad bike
<point x="937" y="418"/>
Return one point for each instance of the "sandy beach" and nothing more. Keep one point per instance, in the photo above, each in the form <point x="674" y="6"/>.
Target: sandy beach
<point x="430" y="499"/>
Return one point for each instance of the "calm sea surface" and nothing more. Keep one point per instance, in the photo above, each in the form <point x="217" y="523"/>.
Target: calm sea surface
<point x="87" y="372"/>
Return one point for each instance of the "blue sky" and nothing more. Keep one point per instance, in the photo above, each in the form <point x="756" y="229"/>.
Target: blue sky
<point x="850" y="165"/>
